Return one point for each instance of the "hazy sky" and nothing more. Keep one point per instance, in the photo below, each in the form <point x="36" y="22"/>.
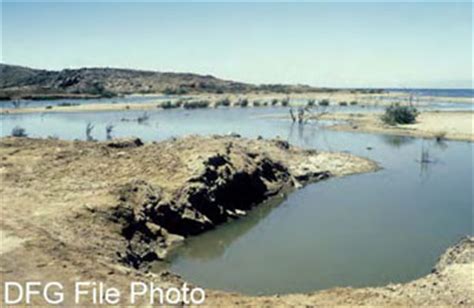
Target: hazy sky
<point x="342" y="44"/>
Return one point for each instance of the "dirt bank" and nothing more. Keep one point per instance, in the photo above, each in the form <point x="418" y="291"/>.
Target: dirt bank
<point x="100" y="211"/>
<point x="451" y="125"/>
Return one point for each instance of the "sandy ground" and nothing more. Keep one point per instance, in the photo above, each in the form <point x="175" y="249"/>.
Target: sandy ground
<point x="441" y="125"/>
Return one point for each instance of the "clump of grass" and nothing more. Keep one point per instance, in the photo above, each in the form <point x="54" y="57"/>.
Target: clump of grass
<point x="168" y="105"/>
<point x="175" y="91"/>
<point x="323" y="102"/>
<point x="196" y="104"/>
<point x="342" y="103"/>
<point x="396" y="114"/>
<point x="179" y="103"/>
<point x="353" y="103"/>
<point x="285" y="102"/>
<point x="243" y="102"/>
<point x="257" y="103"/>
<point x="225" y="102"/>
<point x="310" y="102"/>
<point x="18" y="131"/>
<point x="274" y="102"/>
<point x="66" y="104"/>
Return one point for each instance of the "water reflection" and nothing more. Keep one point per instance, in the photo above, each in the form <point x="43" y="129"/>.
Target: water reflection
<point x="211" y="245"/>
<point x="396" y="141"/>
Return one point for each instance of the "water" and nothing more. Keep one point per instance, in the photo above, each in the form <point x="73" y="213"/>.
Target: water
<point x="362" y="230"/>
<point x="443" y="92"/>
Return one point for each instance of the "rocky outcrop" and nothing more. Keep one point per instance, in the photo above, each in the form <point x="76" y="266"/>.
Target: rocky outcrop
<point x="217" y="193"/>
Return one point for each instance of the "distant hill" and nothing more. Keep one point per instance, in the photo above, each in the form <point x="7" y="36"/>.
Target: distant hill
<point x="24" y="82"/>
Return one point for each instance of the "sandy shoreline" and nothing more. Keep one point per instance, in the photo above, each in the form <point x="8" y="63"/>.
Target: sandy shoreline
<point x="449" y="125"/>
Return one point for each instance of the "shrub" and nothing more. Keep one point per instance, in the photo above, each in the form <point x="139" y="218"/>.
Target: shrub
<point x="323" y="102"/>
<point x="244" y="102"/>
<point x="310" y="102"/>
<point x="66" y="104"/>
<point x="396" y="114"/>
<point x="256" y="103"/>
<point x="223" y="102"/>
<point x="179" y="103"/>
<point x="100" y="90"/>
<point x="175" y="91"/>
<point x="353" y="103"/>
<point x="342" y="103"/>
<point x="18" y="131"/>
<point x="168" y="105"/>
<point x="285" y="102"/>
<point x="196" y="104"/>
<point x="274" y="102"/>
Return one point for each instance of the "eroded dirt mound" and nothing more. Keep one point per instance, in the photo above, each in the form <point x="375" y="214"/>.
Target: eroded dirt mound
<point x="145" y="197"/>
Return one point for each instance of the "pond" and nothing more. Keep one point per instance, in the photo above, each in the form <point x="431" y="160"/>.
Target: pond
<point x="361" y="230"/>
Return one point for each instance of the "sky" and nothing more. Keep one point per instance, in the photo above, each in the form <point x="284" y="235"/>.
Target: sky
<point x="331" y="44"/>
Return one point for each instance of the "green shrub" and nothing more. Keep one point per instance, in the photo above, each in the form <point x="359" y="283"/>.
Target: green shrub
<point x="168" y="105"/>
<point x="66" y="104"/>
<point x="342" y="103"/>
<point x="175" y="91"/>
<point x="243" y="102"/>
<point x="18" y="131"/>
<point x="196" y="104"/>
<point x="285" y="102"/>
<point x="310" y="102"/>
<point x="256" y="103"/>
<point x="274" y="102"/>
<point x="323" y="102"/>
<point x="396" y="114"/>
<point x="353" y="103"/>
<point x="223" y="102"/>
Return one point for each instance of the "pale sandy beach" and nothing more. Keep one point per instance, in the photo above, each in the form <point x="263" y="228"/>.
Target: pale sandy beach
<point x="452" y="125"/>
